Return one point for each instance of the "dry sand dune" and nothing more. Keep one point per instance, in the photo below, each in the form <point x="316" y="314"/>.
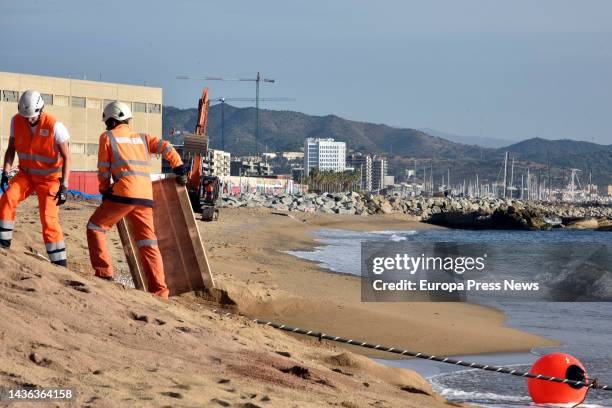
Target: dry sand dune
<point x="118" y="347"/>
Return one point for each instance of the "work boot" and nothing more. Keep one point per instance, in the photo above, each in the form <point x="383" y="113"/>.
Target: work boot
<point x="5" y="243"/>
<point x="108" y="278"/>
<point x="62" y="262"/>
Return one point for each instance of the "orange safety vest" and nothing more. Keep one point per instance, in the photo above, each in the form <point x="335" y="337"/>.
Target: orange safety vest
<point x="37" y="152"/>
<point x="128" y="154"/>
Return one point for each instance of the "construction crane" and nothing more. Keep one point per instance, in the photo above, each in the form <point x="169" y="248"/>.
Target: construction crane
<point x="258" y="79"/>
<point x="222" y="102"/>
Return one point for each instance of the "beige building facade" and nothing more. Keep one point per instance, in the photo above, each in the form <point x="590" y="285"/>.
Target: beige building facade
<point x="221" y="162"/>
<point x="79" y="104"/>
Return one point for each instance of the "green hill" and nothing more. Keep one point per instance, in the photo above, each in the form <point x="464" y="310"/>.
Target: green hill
<point x="286" y="131"/>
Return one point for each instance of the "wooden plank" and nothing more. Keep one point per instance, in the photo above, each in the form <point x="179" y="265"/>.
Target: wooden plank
<point x="128" y="242"/>
<point x="196" y="241"/>
<point x="185" y="262"/>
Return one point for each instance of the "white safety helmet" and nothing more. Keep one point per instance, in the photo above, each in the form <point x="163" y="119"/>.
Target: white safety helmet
<point x="116" y="110"/>
<point x="30" y="104"/>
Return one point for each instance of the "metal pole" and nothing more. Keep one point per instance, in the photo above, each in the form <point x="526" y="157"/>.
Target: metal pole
<point x="223" y="124"/>
<point x="528" y="185"/>
<point x="431" y="177"/>
<point x="257" y="113"/>
<point x="505" y="173"/>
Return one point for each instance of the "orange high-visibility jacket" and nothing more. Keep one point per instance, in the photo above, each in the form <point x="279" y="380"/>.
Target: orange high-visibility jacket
<point x="124" y="155"/>
<point x="37" y="153"/>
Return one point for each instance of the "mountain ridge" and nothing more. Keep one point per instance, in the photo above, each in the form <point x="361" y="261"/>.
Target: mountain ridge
<point x="284" y="130"/>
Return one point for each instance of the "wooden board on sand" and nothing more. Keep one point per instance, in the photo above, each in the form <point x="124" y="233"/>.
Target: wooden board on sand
<point x="185" y="262"/>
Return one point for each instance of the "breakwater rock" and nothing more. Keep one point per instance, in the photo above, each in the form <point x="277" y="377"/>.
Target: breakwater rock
<point x="456" y="212"/>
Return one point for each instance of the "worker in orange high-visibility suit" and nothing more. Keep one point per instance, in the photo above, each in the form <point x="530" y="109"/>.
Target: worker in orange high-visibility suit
<point x="123" y="156"/>
<point x="41" y="143"/>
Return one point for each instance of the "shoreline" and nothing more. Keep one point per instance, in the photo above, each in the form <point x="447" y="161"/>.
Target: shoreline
<point x="427" y="370"/>
<point x="270" y="284"/>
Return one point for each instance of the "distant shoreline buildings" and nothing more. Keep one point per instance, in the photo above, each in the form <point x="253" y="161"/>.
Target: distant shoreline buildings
<point x="362" y="164"/>
<point x="330" y="155"/>
<point x="373" y="171"/>
<point x="324" y="155"/>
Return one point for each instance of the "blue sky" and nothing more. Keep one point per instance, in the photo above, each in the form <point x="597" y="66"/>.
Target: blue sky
<point x="503" y="69"/>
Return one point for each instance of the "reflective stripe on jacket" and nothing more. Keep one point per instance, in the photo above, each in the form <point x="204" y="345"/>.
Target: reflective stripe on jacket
<point x="124" y="156"/>
<point x="36" y="151"/>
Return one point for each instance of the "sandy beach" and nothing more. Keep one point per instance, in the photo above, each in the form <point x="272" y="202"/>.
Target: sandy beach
<point x="270" y="284"/>
<point x="121" y="347"/>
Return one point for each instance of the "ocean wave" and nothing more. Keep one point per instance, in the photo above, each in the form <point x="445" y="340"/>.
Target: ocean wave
<point x="473" y="396"/>
<point x="407" y="232"/>
<point x="494" y="400"/>
<point x="397" y="238"/>
<point x="440" y="384"/>
<point x="579" y="280"/>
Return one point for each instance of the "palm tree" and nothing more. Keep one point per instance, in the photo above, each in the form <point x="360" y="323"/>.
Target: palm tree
<point x="332" y="182"/>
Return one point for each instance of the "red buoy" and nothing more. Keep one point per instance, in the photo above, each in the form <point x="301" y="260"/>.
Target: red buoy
<point x="558" y="365"/>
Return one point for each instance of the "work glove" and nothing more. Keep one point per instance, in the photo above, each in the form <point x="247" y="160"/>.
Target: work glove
<point x="4" y="182"/>
<point x="62" y="194"/>
<point x="181" y="175"/>
<point x="106" y="193"/>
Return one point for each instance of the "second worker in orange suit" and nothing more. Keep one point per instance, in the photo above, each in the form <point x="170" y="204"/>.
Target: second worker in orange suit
<point x="42" y="144"/>
<point x="125" y="185"/>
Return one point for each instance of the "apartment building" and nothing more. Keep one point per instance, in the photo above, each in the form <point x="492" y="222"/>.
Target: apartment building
<point x="324" y="155"/>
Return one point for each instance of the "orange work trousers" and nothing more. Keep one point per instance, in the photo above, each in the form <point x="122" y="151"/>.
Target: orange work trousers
<point x="103" y="219"/>
<point x="21" y="187"/>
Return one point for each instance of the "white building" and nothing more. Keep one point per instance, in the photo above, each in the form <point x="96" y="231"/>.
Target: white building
<point x="324" y="155"/>
<point x="220" y="162"/>
<point x="389" y="181"/>
<point x="268" y="156"/>
<point x="293" y="155"/>
<point x="379" y="172"/>
<point x="362" y="164"/>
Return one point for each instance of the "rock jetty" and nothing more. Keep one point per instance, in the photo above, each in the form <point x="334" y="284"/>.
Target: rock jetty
<point x="456" y="212"/>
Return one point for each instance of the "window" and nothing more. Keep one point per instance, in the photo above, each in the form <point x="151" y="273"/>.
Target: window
<point x="92" y="149"/>
<point x="93" y="103"/>
<point x="154" y="108"/>
<point x="61" y="100"/>
<point x="10" y="96"/>
<point x="77" y="148"/>
<point x="78" y="101"/>
<point x="48" y="98"/>
<point x="140" y="107"/>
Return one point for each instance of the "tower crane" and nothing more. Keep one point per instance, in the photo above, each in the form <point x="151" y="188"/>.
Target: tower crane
<point x="223" y="100"/>
<point x="258" y="79"/>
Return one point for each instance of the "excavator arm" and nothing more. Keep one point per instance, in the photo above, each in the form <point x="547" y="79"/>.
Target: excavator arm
<point x="195" y="175"/>
<point x="202" y="113"/>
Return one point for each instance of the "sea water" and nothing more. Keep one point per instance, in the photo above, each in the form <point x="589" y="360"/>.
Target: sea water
<point x="585" y="329"/>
